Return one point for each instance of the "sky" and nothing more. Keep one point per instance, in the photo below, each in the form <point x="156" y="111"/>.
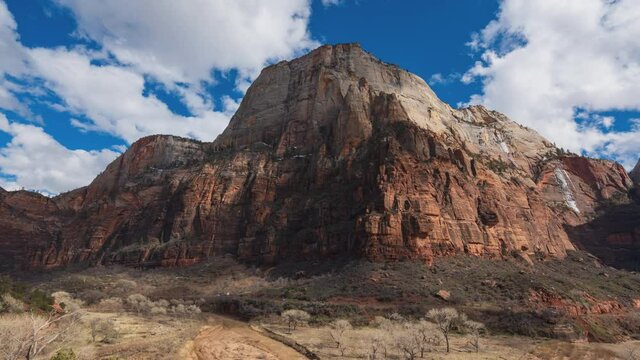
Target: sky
<point x="82" y="80"/>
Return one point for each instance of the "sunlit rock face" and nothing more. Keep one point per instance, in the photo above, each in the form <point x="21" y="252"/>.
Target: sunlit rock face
<point x="332" y="153"/>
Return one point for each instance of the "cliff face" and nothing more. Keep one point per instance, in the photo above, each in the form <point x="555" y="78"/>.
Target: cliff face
<point x="332" y="153"/>
<point x="635" y="174"/>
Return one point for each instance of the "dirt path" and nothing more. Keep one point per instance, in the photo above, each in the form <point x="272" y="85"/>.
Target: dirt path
<point x="225" y="338"/>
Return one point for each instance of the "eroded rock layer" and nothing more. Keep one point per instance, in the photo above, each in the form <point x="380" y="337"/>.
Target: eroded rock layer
<point x="332" y="153"/>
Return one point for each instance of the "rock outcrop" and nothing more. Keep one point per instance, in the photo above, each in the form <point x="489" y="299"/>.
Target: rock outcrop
<point x="331" y="153"/>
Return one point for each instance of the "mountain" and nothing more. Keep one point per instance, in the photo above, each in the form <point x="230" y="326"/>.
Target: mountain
<point x="635" y="174"/>
<point x="333" y="153"/>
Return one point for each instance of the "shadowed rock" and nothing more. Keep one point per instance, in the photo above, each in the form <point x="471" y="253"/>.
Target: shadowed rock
<point x="332" y="153"/>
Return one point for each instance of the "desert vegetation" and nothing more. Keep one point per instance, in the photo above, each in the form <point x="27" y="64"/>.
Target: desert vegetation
<point x="387" y="337"/>
<point x="337" y="309"/>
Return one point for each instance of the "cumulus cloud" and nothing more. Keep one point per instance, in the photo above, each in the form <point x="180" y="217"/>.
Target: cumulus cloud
<point x="37" y="161"/>
<point x="111" y="97"/>
<point x="546" y="63"/>
<point x="179" y="45"/>
<point x="183" y="42"/>
<point x="12" y="62"/>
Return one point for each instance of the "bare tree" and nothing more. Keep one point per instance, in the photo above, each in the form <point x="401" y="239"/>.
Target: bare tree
<point x="28" y="335"/>
<point x="475" y="330"/>
<point x="45" y="331"/>
<point x="294" y="318"/>
<point x="426" y="339"/>
<point x="94" y="324"/>
<point x="374" y="348"/>
<point x="408" y="342"/>
<point x="338" y="333"/>
<point x="14" y="332"/>
<point x="444" y="319"/>
<point x="382" y="343"/>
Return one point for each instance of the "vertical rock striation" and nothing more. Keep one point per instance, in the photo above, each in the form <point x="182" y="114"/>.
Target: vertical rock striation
<point x="332" y="153"/>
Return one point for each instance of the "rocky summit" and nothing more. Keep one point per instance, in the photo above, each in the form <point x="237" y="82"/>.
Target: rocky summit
<point x="333" y="153"/>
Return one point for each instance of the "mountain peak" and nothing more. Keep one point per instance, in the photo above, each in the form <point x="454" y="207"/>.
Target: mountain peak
<point x="331" y="153"/>
<point x="298" y="104"/>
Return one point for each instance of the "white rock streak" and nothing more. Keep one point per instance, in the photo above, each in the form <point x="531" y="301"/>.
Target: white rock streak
<point x="564" y="182"/>
<point x="503" y="145"/>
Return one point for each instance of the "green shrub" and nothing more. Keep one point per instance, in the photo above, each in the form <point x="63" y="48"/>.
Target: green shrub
<point x="64" y="354"/>
<point x="38" y="299"/>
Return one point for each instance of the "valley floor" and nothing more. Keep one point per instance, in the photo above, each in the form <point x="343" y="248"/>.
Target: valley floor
<point x="216" y="337"/>
<point x="577" y="308"/>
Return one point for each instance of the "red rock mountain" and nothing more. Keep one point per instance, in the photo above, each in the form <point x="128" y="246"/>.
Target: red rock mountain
<point x="332" y="153"/>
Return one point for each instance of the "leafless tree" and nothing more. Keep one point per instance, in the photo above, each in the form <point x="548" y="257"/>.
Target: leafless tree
<point x="426" y="338"/>
<point x="408" y="342"/>
<point x="444" y="319"/>
<point x="294" y="318"/>
<point x="28" y="335"/>
<point x="338" y="333"/>
<point x="475" y="330"/>
<point x="45" y="331"/>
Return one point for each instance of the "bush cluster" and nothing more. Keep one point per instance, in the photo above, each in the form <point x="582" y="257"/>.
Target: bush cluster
<point x="143" y="305"/>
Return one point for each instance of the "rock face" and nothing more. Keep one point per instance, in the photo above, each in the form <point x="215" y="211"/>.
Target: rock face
<point x="332" y="153"/>
<point x="614" y="234"/>
<point x="635" y="177"/>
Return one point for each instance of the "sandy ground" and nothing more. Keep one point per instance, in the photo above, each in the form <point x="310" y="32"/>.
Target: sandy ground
<point x="228" y="339"/>
<point x="210" y="337"/>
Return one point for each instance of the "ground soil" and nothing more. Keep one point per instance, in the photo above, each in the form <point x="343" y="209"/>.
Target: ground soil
<point x="224" y="338"/>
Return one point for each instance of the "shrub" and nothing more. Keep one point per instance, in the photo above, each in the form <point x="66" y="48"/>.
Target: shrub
<point x="92" y="296"/>
<point x="14" y="332"/>
<point x="113" y="304"/>
<point x="475" y="330"/>
<point x="294" y="318"/>
<point x="138" y="303"/>
<point x="395" y="317"/>
<point x="142" y="305"/>
<point x="68" y="302"/>
<point x="64" y="354"/>
<point x="338" y="332"/>
<point x="10" y="304"/>
<point x="40" y="300"/>
<point x="121" y="288"/>
<point x="105" y="328"/>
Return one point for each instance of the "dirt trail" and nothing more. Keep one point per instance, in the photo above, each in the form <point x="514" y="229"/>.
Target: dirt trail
<point x="229" y="339"/>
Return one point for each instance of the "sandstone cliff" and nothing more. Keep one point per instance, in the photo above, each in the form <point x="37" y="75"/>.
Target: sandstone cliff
<point x="332" y="153"/>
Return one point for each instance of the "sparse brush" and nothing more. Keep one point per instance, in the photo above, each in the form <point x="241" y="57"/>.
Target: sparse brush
<point x="294" y="318"/>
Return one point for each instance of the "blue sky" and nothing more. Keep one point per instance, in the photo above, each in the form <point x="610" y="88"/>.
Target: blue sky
<point x="81" y="80"/>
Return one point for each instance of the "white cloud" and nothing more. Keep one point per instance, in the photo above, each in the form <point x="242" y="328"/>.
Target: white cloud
<point x="112" y="98"/>
<point x="544" y="60"/>
<point x="39" y="162"/>
<point x="178" y="44"/>
<point x="184" y="41"/>
<point x="12" y="62"/>
<point x="328" y="3"/>
<point x="12" y="59"/>
<point x="438" y="78"/>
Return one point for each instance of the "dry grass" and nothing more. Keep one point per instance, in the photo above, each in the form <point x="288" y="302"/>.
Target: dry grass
<point x="319" y="340"/>
<point x="139" y="337"/>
